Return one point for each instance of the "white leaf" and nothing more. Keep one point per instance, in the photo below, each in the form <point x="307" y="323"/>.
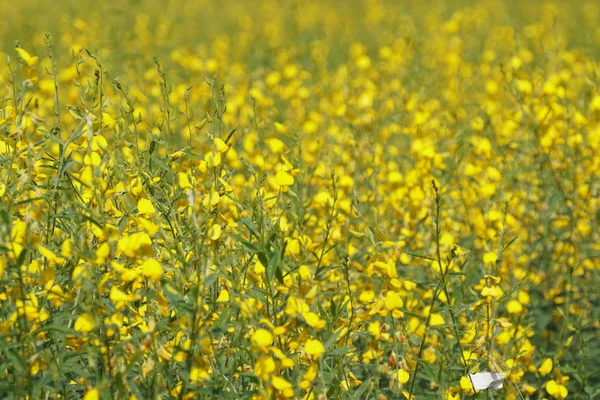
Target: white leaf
<point x="487" y="380"/>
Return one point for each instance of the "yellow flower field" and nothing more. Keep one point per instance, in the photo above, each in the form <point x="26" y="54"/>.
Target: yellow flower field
<point x="282" y="199"/>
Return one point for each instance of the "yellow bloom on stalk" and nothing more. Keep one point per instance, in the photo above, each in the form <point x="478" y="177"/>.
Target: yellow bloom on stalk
<point x="214" y="233"/>
<point x="198" y="374"/>
<point x="313" y="320"/>
<point x="280" y="383"/>
<point x="524" y="86"/>
<point x="281" y="128"/>
<point x="145" y="207"/>
<point x="452" y="394"/>
<point x="350" y="381"/>
<point x="3" y="263"/>
<point x="213" y="159"/>
<point x="223" y="296"/>
<point x="221" y="146"/>
<point x="84" y="323"/>
<point x="490" y="258"/>
<point x="262" y="338"/>
<point x="132" y="244"/>
<point x="314" y="348"/>
<point x="119" y="297"/>
<point x="284" y="179"/>
<point x="264" y="366"/>
<point x="211" y="199"/>
<point x="514" y="307"/>
<point x="436" y="320"/>
<point x="393" y="301"/>
<point x="275" y="145"/>
<point x="152" y="269"/>
<point x="466" y="385"/>
<point x="49" y="255"/>
<point x="375" y="329"/>
<point x="492" y="292"/>
<point x="309" y="375"/>
<point x="556" y="389"/>
<point x="546" y="367"/>
<point x="108" y="122"/>
<point x="184" y="181"/>
<point x="401" y="376"/>
<point x="528" y="389"/>
<point x="595" y="103"/>
<point x="30" y="61"/>
<point x="92" y="394"/>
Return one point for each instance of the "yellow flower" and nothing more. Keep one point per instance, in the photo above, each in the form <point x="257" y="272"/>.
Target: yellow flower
<point x="514" y="307"/>
<point x="262" y="338"/>
<point x="313" y="320"/>
<point x="556" y="389"/>
<point x="117" y="295"/>
<point x="309" y="375"/>
<point x="284" y="179"/>
<point x="401" y="376"/>
<point x="213" y="159"/>
<point x="49" y="255"/>
<point x="145" y="207"/>
<point x="223" y="296"/>
<point x="152" y="269"/>
<point x="546" y="367"/>
<point x="528" y="389"/>
<point x="436" y="320"/>
<point x="264" y="366"/>
<point x="92" y="394"/>
<point x="275" y="145"/>
<point x="314" y="348"/>
<point x="214" y="233"/>
<point x="85" y="323"/>
<point x="131" y="245"/>
<point x="109" y="122"/>
<point x="393" y="301"/>
<point x="198" y="374"/>
<point x="375" y="329"/>
<point x="466" y="385"/>
<point x="184" y="181"/>
<point x="524" y="86"/>
<point x="221" y="146"/>
<point x="452" y="395"/>
<point x="280" y="383"/>
<point x="31" y="61"/>
<point x="492" y="292"/>
<point x="281" y="128"/>
<point x="490" y="258"/>
<point x="595" y="103"/>
<point x="211" y="199"/>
